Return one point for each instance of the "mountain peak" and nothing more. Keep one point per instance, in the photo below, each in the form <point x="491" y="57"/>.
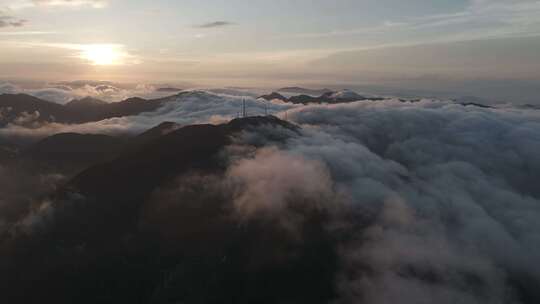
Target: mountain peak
<point x="273" y="96"/>
<point x="256" y="121"/>
<point x="86" y="101"/>
<point x="135" y="99"/>
<point x="300" y="90"/>
<point x="307" y="97"/>
<point x="345" y="95"/>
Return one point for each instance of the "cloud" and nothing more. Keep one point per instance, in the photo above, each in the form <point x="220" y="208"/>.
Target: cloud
<point x="265" y="184"/>
<point x="22" y="188"/>
<point x="26" y="4"/>
<point x="455" y="209"/>
<point x="438" y="205"/>
<point x="9" y="21"/>
<point x="433" y="198"/>
<point x="72" y="3"/>
<point x="26" y="33"/>
<point x="425" y="202"/>
<point x="478" y="20"/>
<point x="215" y="24"/>
<point x="64" y="92"/>
<point x="189" y="108"/>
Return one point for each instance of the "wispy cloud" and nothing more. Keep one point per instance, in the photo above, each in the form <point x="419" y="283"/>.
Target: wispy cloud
<point x="91" y="3"/>
<point x="479" y="19"/>
<point x="9" y="21"/>
<point x="22" y="4"/>
<point x="26" y="33"/>
<point x="215" y="24"/>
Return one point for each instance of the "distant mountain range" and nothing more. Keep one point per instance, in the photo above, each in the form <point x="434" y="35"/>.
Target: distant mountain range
<point x="72" y="152"/>
<point x="326" y="97"/>
<point x="169" y="89"/>
<point x="15" y="107"/>
<point x="345" y="96"/>
<point x="530" y="107"/>
<point x="299" y="90"/>
<point x="29" y="111"/>
<point x="180" y="148"/>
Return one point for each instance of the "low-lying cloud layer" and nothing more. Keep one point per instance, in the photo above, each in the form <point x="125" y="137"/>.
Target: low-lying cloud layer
<point x="429" y="201"/>
<point x="453" y="190"/>
<point x="448" y="191"/>
<point x="10" y="21"/>
<point x="64" y="92"/>
<point x="74" y="3"/>
<point x="441" y="199"/>
<point x="191" y="108"/>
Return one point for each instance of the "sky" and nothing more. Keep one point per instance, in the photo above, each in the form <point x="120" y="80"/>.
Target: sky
<point x="254" y="42"/>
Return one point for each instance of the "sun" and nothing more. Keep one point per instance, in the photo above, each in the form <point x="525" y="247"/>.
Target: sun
<point x="102" y="54"/>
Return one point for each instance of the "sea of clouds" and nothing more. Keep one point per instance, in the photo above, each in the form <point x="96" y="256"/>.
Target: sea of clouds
<point x="64" y="92"/>
<point x="452" y="191"/>
<point x="439" y="200"/>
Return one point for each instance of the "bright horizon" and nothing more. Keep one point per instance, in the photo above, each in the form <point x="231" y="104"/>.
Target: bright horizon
<point x="473" y="47"/>
<point x="183" y="39"/>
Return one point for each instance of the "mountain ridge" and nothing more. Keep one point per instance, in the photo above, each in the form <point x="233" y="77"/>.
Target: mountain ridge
<point x="330" y="97"/>
<point x="83" y="110"/>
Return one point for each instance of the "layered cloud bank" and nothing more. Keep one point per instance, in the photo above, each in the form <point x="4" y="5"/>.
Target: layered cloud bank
<point x="63" y="92"/>
<point x="452" y="193"/>
<point x="188" y="108"/>
<point x="440" y="199"/>
<point x="426" y="202"/>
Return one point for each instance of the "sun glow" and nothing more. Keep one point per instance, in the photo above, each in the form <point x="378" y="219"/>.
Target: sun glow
<point x="102" y="54"/>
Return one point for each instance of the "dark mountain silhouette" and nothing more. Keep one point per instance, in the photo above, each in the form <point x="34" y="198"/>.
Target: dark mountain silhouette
<point x="88" y="109"/>
<point x="344" y="96"/>
<point x="473" y="101"/>
<point x="299" y="90"/>
<point x="153" y="133"/>
<point x="130" y="106"/>
<point x="154" y="226"/>
<point x="77" y="111"/>
<point x="307" y="99"/>
<point x="274" y="95"/>
<point x="163" y="128"/>
<point x="169" y="89"/>
<point x="192" y="147"/>
<point x="474" y="104"/>
<point x="74" y="151"/>
<point x="13" y="106"/>
<point x="326" y="97"/>
<point x="7" y="154"/>
<point x="530" y="107"/>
